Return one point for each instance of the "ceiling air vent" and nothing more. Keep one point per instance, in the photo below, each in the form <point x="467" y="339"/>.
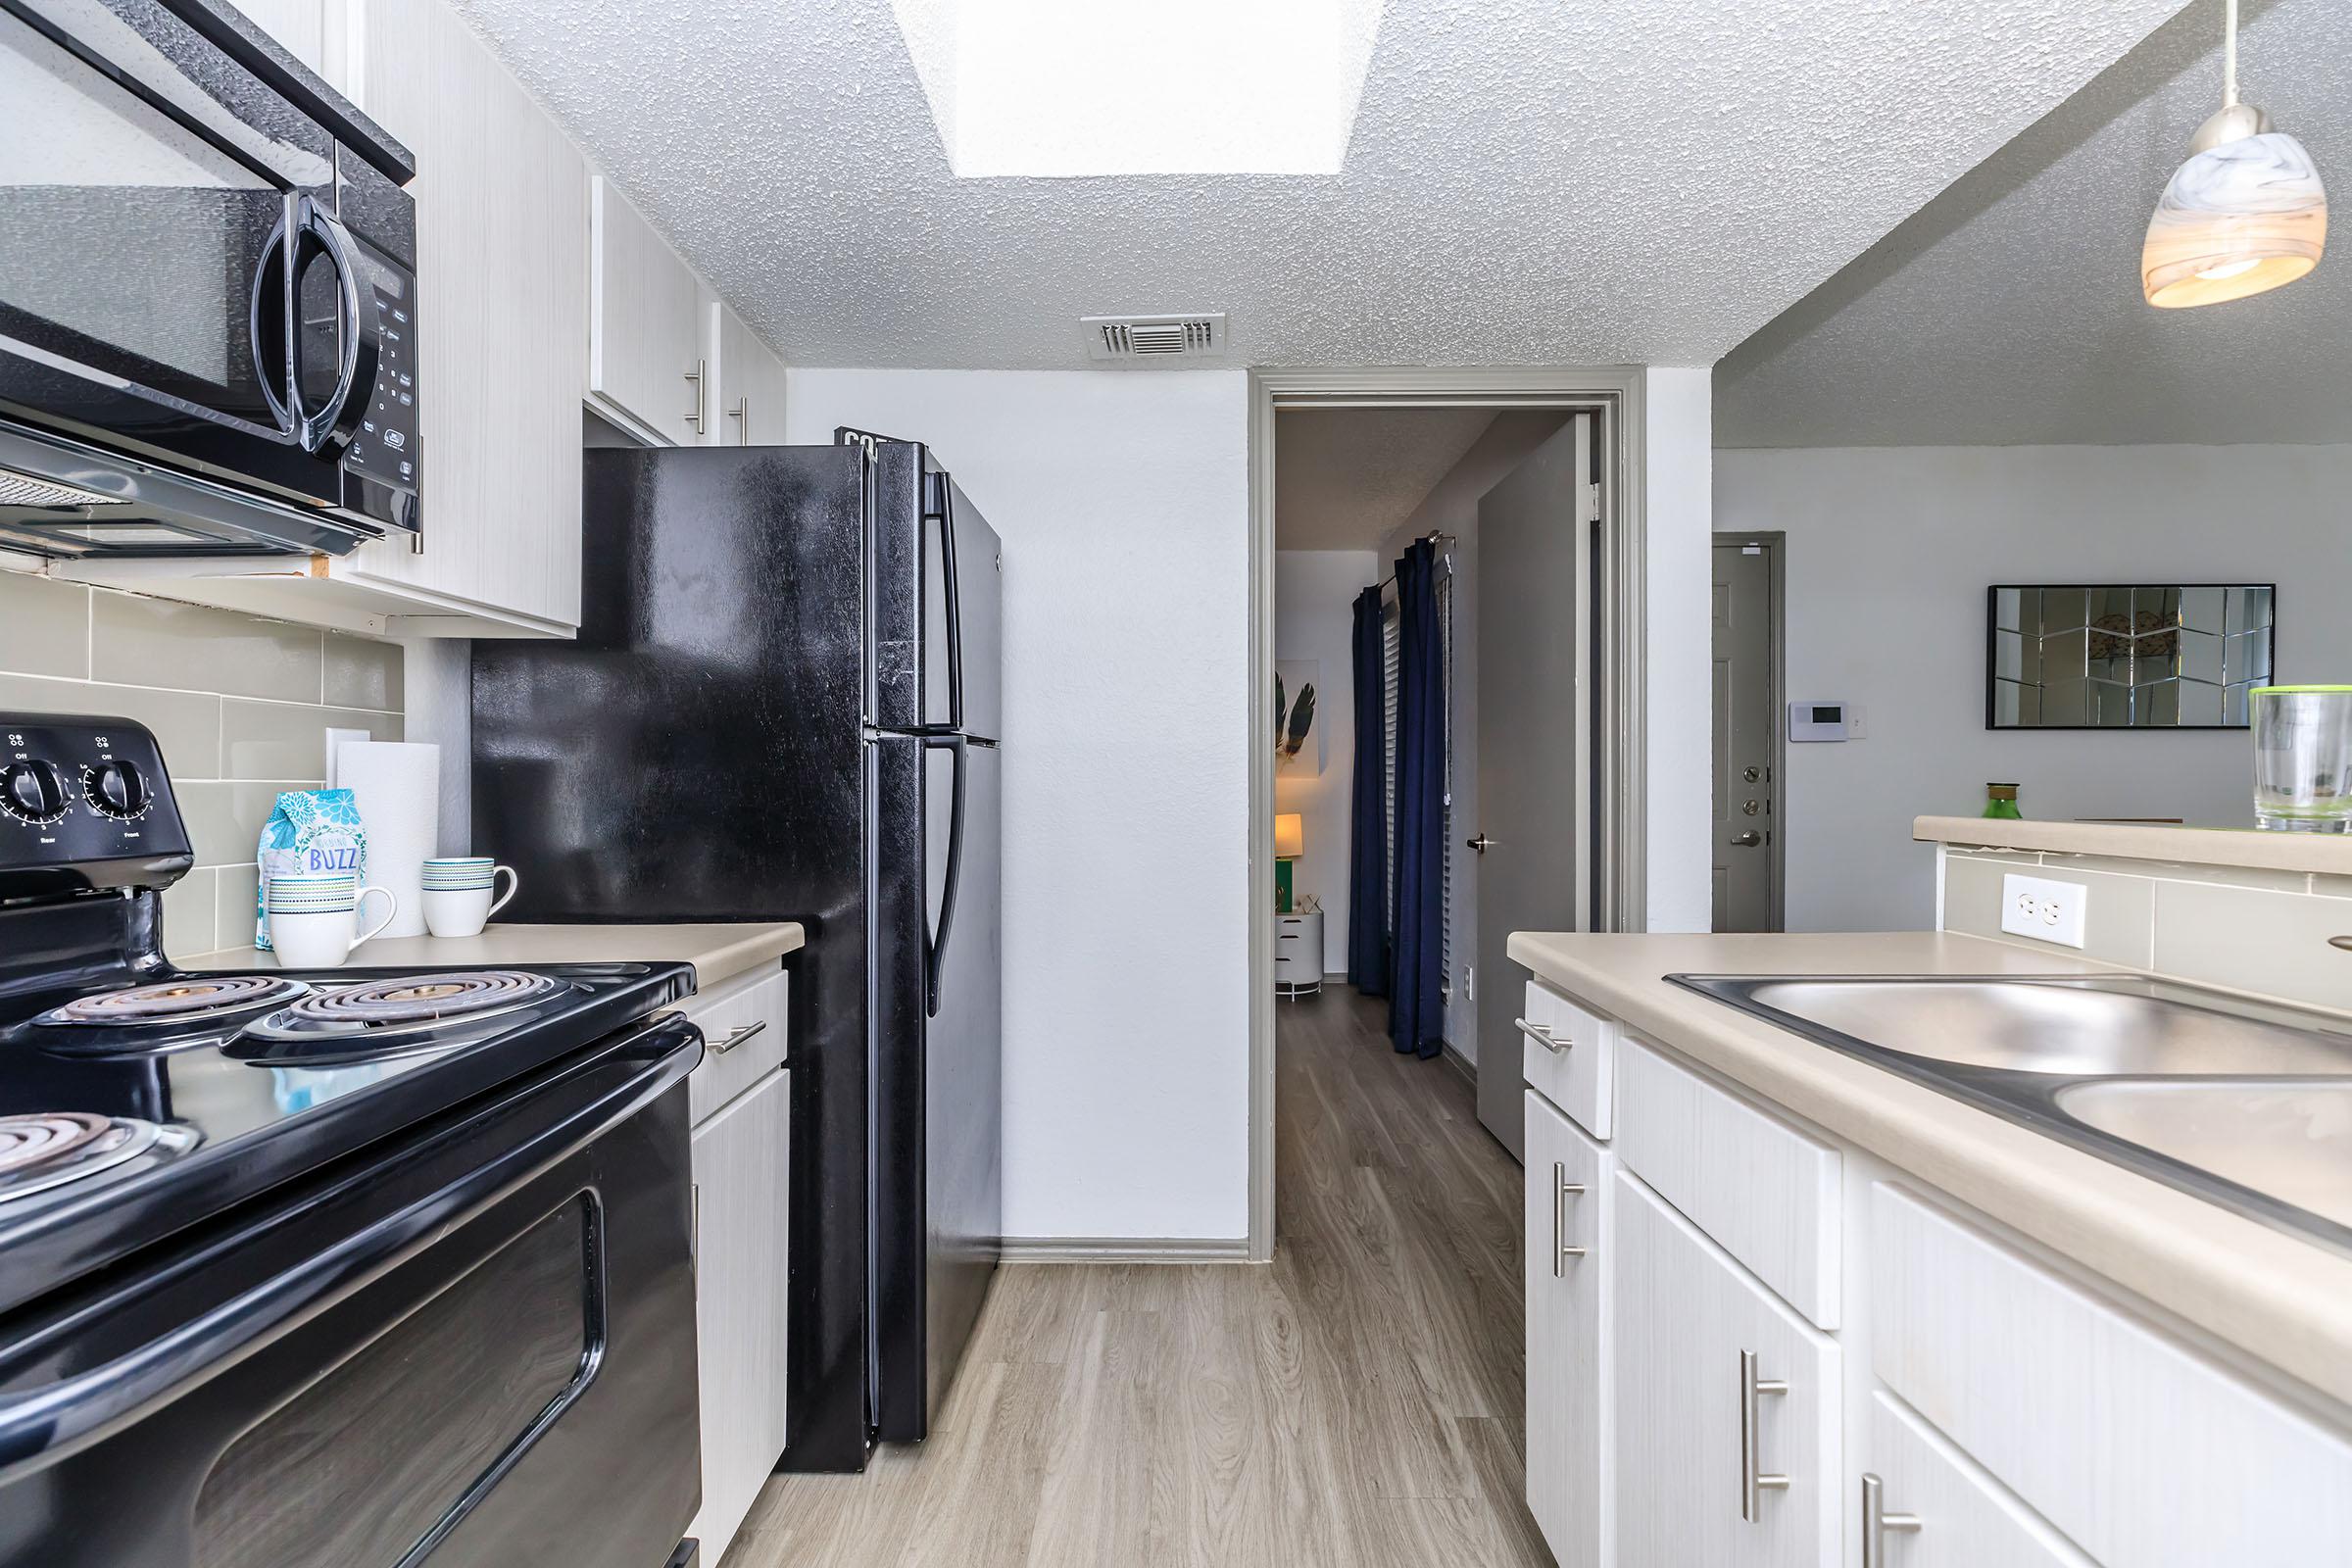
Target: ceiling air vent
<point x="1195" y="336"/>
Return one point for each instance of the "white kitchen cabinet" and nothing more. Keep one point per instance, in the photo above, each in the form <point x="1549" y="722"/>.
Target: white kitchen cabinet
<point x="2143" y="1452"/>
<point x="740" y="1173"/>
<point x="740" y="1101"/>
<point x="1716" y="1388"/>
<point x="1945" y="1512"/>
<point x="1569" y="1248"/>
<point x="749" y="378"/>
<point x="313" y="31"/>
<point x="648" y="363"/>
<point x="503" y="287"/>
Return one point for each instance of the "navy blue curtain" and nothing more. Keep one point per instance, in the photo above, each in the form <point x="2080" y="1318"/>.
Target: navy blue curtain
<point x="1367" y="826"/>
<point x="1416" y="992"/>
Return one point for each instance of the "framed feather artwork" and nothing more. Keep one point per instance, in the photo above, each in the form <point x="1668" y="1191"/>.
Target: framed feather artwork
<point x="1297" y="738"/>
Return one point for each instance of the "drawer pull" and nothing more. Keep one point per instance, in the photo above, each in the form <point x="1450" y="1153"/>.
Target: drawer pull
<point x="736" y="1037"/>
<point x="1753" y="1481"/>
<point x="1561" y="1190"/>
<point x="1877" y="1521"/>
<point x="1541" y="1037"/>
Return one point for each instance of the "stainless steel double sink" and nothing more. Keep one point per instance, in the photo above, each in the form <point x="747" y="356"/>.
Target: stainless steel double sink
<point x="2242" y="1103"/>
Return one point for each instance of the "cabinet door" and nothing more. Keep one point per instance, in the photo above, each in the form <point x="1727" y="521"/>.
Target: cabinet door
<point x="1966" y="1519"/>
<point x="750" y="384"/>
<point x="502" y="289"/>
<point x="646" y="355"/>
<point x="1685" y="1319"/>
<point x="739" y="1192"/>
<point x="310" y="30"/>
<point x="1570" y="1243"/>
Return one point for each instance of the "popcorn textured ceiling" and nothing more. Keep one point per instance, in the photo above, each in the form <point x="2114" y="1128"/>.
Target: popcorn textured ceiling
<point x="1527" y="182"/>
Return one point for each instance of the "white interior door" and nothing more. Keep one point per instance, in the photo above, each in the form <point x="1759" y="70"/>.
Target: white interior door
<point x="1535" y="568"/>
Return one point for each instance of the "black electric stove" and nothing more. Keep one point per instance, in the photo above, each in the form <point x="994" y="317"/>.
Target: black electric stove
<point x="267" y="1148"/>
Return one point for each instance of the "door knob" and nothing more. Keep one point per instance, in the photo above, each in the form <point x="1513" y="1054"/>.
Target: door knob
<point x="1479" y="843"/>
<point x="1748" y="840"/>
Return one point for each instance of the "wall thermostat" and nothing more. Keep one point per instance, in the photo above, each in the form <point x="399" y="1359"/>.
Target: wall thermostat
<point x="1824" y="721"/>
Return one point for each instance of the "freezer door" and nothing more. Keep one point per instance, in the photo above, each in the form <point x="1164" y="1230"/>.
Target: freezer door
<point x="963" y="565"/>
<point x="937" y="1118"/>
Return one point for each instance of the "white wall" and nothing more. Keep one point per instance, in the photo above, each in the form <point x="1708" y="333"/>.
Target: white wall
<point x="1678" y="439"/>
<point x="1123" y="500"/>
<point x="1889" y="552"/>
<point x="1453" y="508"/>
<point x="1315" y="618"/>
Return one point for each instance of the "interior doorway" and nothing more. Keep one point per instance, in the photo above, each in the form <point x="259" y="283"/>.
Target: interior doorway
<point x="1606" y="736"/>
<point x="1751" y="767"/>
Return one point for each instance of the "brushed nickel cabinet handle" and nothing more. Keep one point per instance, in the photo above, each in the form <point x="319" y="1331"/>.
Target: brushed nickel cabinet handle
<point x="1561" y="1190"/>
<point x="1541" y="1037"/>
<point x="702" y="396"/>
<point x="1877" y="1521"/>
<point x="1754" y="1481"/>
<point x="736" y="1037"/>
<point x="2341" y="944"/>
<point x="742" y="410"/>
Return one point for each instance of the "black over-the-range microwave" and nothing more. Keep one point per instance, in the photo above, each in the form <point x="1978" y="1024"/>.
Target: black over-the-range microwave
<point x="208" y="292"/>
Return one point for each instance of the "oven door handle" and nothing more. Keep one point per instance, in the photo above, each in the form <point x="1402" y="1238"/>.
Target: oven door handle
<point x="532" y="1129"/>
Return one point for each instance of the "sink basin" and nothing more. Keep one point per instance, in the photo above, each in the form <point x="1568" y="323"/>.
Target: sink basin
<point x="2092" y="1026"/>
<point x="2244" y="1103"/>
<point x="2292" y="1141"/>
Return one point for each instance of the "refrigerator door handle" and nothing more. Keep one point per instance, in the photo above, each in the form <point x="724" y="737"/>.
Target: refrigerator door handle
<point x="946" y="545"/>
<point x="936" y="951"/>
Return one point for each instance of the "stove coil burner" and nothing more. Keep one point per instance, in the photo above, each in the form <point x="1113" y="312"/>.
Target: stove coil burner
<point x="28" y="1141"/>
<point x="423" y="998"/>
<point x="175" y="1001"/>
<point x="54" y="1147"/>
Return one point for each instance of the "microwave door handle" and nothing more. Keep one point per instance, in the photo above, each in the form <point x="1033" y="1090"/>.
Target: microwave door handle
<point x="329" y="428"/>
<point x="935" y="952"/>
<point x="273" y="321"/>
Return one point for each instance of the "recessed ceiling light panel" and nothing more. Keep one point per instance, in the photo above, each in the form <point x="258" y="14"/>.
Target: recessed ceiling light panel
<point x="1068" y="88"/>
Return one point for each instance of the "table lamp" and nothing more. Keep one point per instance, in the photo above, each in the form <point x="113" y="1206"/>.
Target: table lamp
<point x="1290" y="843"/>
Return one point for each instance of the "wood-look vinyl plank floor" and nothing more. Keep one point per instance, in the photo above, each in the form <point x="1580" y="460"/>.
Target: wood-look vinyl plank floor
<point x="1356" y="1404"/>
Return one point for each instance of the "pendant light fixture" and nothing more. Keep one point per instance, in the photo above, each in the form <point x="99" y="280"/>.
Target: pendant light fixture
<point x="2245" y="214"/>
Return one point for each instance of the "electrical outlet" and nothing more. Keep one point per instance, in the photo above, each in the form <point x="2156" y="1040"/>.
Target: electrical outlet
<point x="2046" y="911"/>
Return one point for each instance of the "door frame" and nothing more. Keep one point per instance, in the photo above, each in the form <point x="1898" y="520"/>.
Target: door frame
<point x="1776" y="540"/>
<point x="1615" y="393"/>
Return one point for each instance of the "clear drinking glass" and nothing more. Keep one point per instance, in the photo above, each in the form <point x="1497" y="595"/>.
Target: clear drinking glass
<point x="2303" y="757"/>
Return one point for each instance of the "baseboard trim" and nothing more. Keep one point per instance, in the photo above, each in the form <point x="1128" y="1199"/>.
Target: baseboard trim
<point x="1461" y="1064"/>
<point x="1126" y="1248"/>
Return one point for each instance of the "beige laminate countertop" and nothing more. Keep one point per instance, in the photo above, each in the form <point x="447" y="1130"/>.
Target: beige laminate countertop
<point x="2277" y="1299"/>
<point x="2325" y="854"/>
<point x="717" y="952"/>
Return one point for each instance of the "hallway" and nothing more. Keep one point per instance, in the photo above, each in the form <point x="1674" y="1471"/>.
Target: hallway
<point x="1355" y="1405"/>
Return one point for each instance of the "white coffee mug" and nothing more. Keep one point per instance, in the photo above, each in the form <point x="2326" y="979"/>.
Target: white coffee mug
<point x="323" y="938"/>
<point x="464" y="911"/>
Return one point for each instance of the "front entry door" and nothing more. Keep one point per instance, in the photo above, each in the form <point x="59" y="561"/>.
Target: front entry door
<point x="1531" y="869"/>
<point x="1747" y="838"/>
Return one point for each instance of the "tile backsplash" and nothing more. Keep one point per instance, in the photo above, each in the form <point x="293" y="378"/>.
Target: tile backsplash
<point x="240" y="705"/>
<point x="2240" y="927"/>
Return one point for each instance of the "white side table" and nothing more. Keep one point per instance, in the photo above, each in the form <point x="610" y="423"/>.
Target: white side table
<point x="1298" y="954"/>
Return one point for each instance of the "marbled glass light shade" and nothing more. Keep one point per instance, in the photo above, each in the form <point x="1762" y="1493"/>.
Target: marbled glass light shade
<point x="2236" y="220"/>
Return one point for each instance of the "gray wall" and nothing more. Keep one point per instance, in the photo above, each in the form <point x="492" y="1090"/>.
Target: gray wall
<point x="1889" y="552"/>
<point x="1315" y="618"/>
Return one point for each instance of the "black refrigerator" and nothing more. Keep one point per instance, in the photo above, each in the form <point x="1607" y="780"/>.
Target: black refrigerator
<point x="783" y="704"/>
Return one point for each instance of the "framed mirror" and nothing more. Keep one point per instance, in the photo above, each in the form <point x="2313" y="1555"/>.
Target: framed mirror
<point x="2126" y="655"/>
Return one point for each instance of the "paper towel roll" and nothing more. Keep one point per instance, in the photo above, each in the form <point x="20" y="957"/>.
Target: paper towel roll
<point x="397" y="787"/>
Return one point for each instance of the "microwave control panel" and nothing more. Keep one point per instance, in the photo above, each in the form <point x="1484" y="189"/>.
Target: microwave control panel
<point x="384" y="447"/>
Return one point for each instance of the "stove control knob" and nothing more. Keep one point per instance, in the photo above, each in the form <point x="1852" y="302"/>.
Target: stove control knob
<point x="31" y="792"/>
<point x="116" y="789"/>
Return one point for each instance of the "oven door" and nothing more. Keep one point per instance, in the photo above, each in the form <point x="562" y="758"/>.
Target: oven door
<point x="175" y="289"/>
<point x="476" y="1350"/>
